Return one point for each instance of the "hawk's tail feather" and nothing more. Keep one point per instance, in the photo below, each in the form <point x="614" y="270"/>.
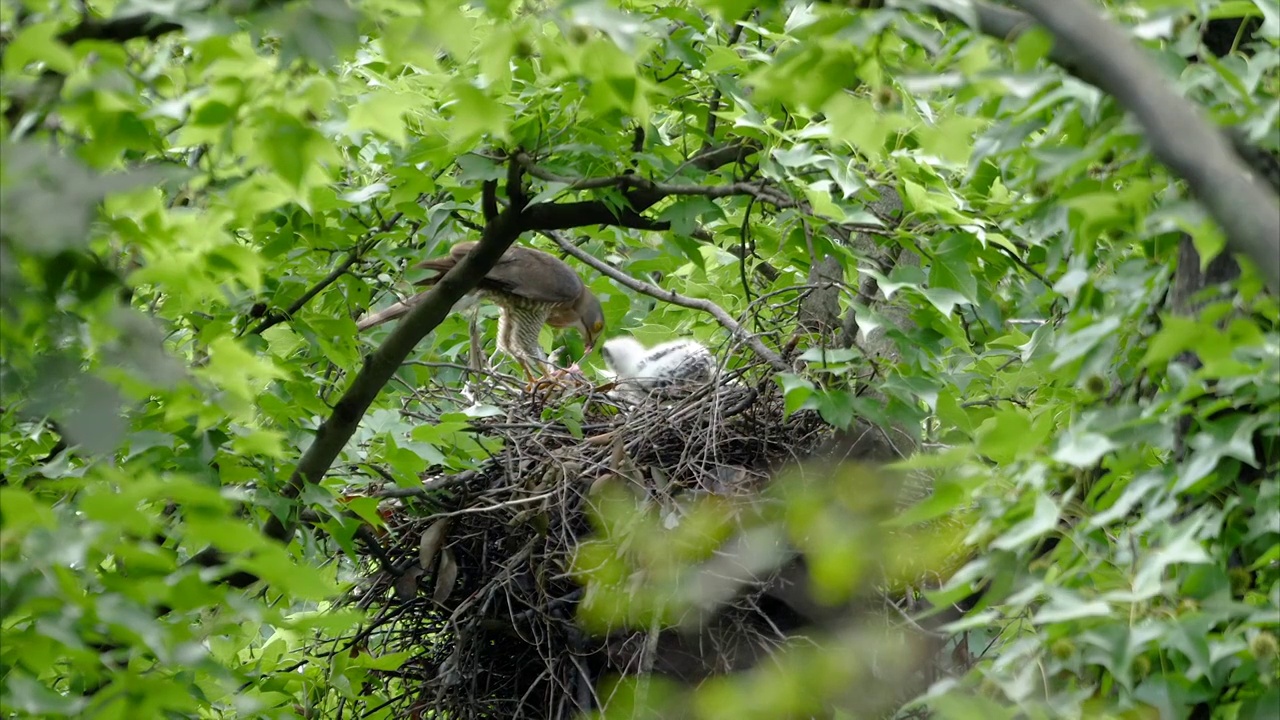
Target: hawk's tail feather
<point x="402" y="308"/>
<point x="391" y="312"/>
<point x="440" y="265"/>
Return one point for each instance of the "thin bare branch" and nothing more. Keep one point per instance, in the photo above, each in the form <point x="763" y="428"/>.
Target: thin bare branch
<point x="758" y="190"/>
<point x="674" y="298"/>
<point x="362" y="246"/>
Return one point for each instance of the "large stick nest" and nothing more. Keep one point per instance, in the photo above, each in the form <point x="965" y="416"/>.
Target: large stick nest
<point x="489" y="621"/>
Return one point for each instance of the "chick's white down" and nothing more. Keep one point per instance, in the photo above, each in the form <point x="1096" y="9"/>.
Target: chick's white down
<point x="643" y="369"/>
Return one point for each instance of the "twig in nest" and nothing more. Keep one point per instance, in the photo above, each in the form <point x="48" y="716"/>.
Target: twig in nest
<point x="428" y="487"/>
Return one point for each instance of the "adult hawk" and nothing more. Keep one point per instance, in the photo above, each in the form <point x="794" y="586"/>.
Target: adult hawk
<point x="531" y="289"/>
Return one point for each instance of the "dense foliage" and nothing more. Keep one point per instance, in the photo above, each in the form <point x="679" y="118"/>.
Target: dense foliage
<point x="200" y="198"/>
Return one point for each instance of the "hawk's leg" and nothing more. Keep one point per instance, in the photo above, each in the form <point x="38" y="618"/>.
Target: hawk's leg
<point x="538" y="379"/>
<point x="528" y="372"/>
<point x="562" y="377"/>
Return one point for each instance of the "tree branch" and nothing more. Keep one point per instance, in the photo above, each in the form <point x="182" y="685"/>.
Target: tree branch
<point x="1099" y="53"/>
<point x="651" y="192"/>
<point x="734" y="35"/>
<point x="489" y="199"/>
<point x="276" y="317"/>
<point x="363" y="245"/>
<point x="379" y="366"/>
<point x="336" y="431"/>
<point x="120" y="29"/>
<point x="714" y="158"/>
<point x="516" y="196"/>
<point x="674" y="298"/>
<point x="641" y="194"/>
<point x="1179" y="134"/>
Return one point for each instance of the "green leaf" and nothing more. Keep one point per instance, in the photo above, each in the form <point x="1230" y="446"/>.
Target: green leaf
<point x="1043" y="520"/>
<point x="796" y="391"/>
<point x="834" y="406"/>
<point x="1065" y="606"/>
<point x="1176" y="335"/>
<point x="1270" y="22"/>
<point x="946" y="497"/>
<point x="1077" y="344"/>
<point x="1031" y="46"/>
<point x="1191" y="637"/>
<point x="950" y="268"/>
<point x="389" y="661"/>
<point x="290" y="147"/>
<point x="318" y="30"/>
<point x="38" y="43"/>
<point x="22" y="512"/>
<point x="1004" y="437"/>
<point x="1081" y="448"/>
<point x="382" y="111"/>
<point x="474" y="115"/>
<point x="1183" y="550"/>
<point x="969" y="707"/>
<point x="25" y="692"/>
<point x="944" y="300"/>
<point x="828" y="356"/>
<point x="275" y="566"/>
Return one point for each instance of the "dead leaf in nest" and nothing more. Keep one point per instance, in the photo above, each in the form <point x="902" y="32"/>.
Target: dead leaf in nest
<point x="541" y="523"/>
<point x="446" y="577"/>
<point x="730" y="477"/>
<point x="550" y="477"/>
<point x="660" y="478"/>
<point x="406" y="586"/>
<point x="522" y="517"/>
<point x="602" y="438"/>
<point x="671" y="519"/>
<point x="598" y="485"/>
<point x="432" y="539"/>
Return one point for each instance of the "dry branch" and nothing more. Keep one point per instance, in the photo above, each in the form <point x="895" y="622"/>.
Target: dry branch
<point x="497" y="634"/>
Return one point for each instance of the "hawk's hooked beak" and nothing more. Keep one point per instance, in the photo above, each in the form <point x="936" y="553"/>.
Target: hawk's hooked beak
<point x="589" y="339"/>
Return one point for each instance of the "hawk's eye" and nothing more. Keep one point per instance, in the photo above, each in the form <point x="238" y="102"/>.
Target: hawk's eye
<point x="597" y="326"/>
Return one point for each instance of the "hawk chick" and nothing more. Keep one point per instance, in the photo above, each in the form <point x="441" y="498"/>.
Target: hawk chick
<point x="639" y="371"/>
